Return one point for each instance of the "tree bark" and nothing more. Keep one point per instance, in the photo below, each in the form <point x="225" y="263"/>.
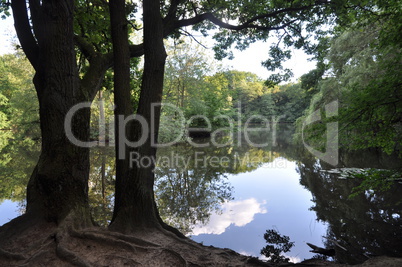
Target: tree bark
<point x="59" y="183"/>
<point x="135" y="206"/>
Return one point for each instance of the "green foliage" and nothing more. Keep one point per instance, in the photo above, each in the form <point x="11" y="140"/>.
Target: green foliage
<point x="191" y="88"/>
<point x="305" y="17"/>
<point x="172" y="125"/>
<point x="290" y="101"/>
<point x="365" y="79"/>
<point x="19" y="126"/>
<point x="92" y="22"/>
<point x="4" y="123"/>
<point x="297" y="24"/>
<point x="280" y="244"/>
<point x="373" y="180"/>
<point x="362" y="72"/>
<point x="187" y="193"/>
<point x="309" y="81"/>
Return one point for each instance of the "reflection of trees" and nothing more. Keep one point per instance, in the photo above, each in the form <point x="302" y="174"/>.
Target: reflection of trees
<point x="185" y="196"/>
<point x="277" y="245"/>
<point x="101" y="184"/>
<point x="188" y="194"/>
<point x="19" y="126"/>
<point x="368" y="224"/>
<point x="16" y="164"/>
<point x="17" y="161"/>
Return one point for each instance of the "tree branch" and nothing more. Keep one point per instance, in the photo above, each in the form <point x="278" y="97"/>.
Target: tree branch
<point x="24" y="33"/>
<point x="85" y="47"/>
<point x="137" y="50"/>
<point x="171" y="15"/>
<point x="249" y="24"/>
<point x="186" y="33"/>
<point x="93" y="78"/>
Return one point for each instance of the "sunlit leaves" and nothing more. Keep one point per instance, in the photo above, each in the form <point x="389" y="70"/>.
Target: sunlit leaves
<point x="19" y="127"/>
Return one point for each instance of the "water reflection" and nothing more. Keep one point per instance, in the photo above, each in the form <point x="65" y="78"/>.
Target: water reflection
<point x="191" y="181"/>
<point x="195" y="192"/>
<point x="188" y="190"/>
<point x="360" y="227"/>
<point x="17" y="161"/>
<point x="101" y="184"/>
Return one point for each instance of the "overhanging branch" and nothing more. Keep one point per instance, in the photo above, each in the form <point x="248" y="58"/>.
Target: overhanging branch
<point x="249" y="24"/>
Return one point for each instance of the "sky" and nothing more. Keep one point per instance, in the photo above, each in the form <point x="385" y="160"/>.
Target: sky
<point x="251" y="58"/>
<point x="247" y="60"/>
<point x="7" y="33"/>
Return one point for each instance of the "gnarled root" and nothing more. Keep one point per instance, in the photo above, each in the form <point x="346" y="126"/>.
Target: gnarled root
<point x="70" y="245"/>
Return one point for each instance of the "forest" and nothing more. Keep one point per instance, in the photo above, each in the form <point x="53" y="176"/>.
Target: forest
<point x="122" y="58"/>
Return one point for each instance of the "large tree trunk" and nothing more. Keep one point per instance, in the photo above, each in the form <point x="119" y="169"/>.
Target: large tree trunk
<point x="59" y="183"/>
<point x="134" y="200"/>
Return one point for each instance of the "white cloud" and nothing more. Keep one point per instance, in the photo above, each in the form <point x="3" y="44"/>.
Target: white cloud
<point x="238" y="213"/>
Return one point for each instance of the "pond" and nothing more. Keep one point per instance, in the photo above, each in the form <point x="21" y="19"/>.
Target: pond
<point x="228" y="195"/>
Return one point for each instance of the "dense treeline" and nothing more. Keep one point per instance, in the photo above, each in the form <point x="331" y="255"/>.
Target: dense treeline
<point x="19" y="125"/>
<point x="190" y="85"/>
<point x="361" y="70"/>
<point x="357" y="69"/>
<point x="197" y="86"/>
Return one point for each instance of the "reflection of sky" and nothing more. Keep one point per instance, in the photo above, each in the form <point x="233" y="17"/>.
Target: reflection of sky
<point x="267" y="198"/>
<point x="239" y="213"/>
<point x="8" y="211"/>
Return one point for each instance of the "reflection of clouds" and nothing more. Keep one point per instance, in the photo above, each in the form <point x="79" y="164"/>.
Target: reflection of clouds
<point x="238" y="213"/>
<point x="291" y="258"/>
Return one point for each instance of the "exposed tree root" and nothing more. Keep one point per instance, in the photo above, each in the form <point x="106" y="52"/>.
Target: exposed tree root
<point x="66" y="246"/>
<point x="118" y="239"/>
<point x="46" y="244"/>
<point x="123" y="261"/>
<point x="10" y="255"/>
<point x="168" y="252"/>
<point x="36" y="258"/>
<point x="108" y="240"/>
<point x="67" y="255"/>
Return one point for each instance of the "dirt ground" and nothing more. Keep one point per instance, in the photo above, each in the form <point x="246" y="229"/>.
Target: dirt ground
<point x="45" y="244"/>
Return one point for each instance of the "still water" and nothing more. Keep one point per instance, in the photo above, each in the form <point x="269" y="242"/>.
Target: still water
<point x="228" y="195"/>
